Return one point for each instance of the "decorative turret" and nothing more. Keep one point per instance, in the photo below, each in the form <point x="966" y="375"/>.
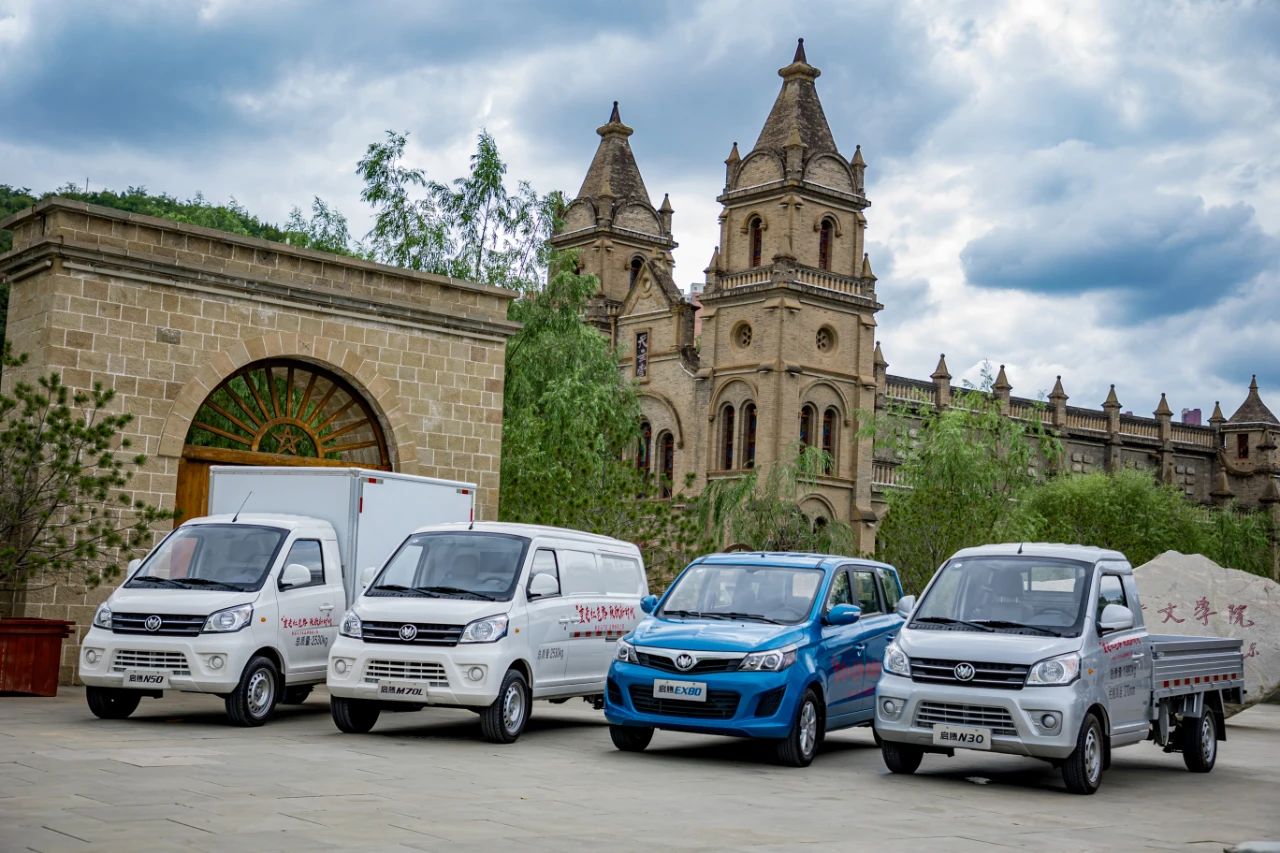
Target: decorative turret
<point x="859" y="171"/>
<point x="1112" y="402"/>
<point x="1162" y="409"/>
<point x="1253" y="410"/>
<point x="881" y="367"/>
<point x="665" y="212"/>
<point x="731" y="164"/>
<point x="866" y="267"/>
<point x="1001" y="388"/>
<point x="941" y="377"/>
<point x="1058" y="399"/>
<point x="1216" y="420"/>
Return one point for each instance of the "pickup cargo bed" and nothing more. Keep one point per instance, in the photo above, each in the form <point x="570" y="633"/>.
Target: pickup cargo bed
<point x="1182" y="665"/>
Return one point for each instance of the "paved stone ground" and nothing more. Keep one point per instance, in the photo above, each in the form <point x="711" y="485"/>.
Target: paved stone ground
<point x="176" y="777"/>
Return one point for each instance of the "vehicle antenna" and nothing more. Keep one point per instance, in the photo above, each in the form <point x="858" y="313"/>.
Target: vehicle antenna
<point x="242" y="503"/>
<point x="1020" y="544"/>
<point x="472" y="525"/>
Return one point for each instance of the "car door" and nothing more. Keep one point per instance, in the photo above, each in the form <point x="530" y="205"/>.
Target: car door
<point x="838" y="655"/>
<point x="548" y="624"/>
<point x="583" y="585"/>
<point x="308" y="612"/>
<point x="1125" y="669"/>
<point x="874" y="630"/>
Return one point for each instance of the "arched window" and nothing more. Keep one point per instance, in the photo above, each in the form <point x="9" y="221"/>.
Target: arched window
<point x="636" y="263"/>
<point x="666" y="463"/>
<point x="1242" y="446"/>
<point x="807" y="415"/>
<point x="642" y="452"/>
<point x="829" y="439"/>
<point x="825" y="234"/>
<point x="726" y="438"/>
<point x="755" y="239"/>
<point x="749" y="435"/>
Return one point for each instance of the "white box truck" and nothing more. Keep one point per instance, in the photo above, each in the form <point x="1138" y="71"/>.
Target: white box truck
<point x="244" y="603"/>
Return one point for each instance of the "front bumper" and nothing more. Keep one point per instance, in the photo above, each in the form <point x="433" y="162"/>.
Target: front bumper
<point x="981" y="705"/>
<point x="189" y="662"/>
<point x="742" y="704"/>
<point x="427" y="675"/>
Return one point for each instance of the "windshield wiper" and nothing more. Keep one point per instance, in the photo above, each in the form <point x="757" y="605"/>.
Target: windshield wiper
<point x="1004" y="623"/>
<point x="209" y="582"/>
<point x="395" y="587"/>
<point x="733" y="614"/>
<point x="457" y="590"/>
<point x="156" y="579"/>
<point x="946" y="620"/>
<point x="685" y="613"/>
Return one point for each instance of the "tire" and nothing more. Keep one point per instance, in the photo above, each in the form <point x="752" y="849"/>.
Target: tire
<point x="631" y="738"/>
<point x="112" y="703"/>
<point x="296" y="695"/>
<point x="901" y="757"/>
<point x="1082" y="769"/>
<point x="254" y="700"/>
<point x="1199" y="742"/>
<point x="505" y="719"/>
<point x="800" y="745"/>
<point x="354" y="716"/>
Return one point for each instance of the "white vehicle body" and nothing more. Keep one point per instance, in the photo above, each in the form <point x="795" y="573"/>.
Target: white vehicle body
<point x="215" y="594"/>
<point x="402" y="649"/>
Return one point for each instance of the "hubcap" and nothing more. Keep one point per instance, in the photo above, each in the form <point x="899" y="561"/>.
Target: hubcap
<point x="808" y="728"/>
<point x="513" y="709"/>
<point x="261" y="689"/>
<point x="1092" y="755"/>
<point x="1208" y="738"/>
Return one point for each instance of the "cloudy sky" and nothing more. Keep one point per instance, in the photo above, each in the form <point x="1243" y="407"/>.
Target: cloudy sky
<point x="1082" y="188"/>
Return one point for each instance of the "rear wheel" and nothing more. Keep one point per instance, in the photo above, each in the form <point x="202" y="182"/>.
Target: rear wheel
<point x="1082" y="769"/>
<point x="354" y="716"/>
<point x="254" y="700"/>
<point x="296" y="695"/>
<point x="631" y="738"/>
<point x="1199" y="742"/>
<point x="801" y="744"/>
<point x="901" y="757"/>
<point x="112" y="703"/>
<point x="505" y="719"/>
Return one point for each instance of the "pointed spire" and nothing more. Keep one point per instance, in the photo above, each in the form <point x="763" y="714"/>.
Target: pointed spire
<point x="800" y="57"/>
<point x="614" y="117"/>
<point x="734" y="156"/>
<point x="614" y="169"/>
<point x="797" y="108"/>
<point x="1217" y="417"/>
<point x="1163" y="410"/>
<point x="666" y="204"/>
<point x="1253" y="410"/>
<point x="1002" y="381"/>
<point x="941" y="372"/>
<point x="879" y="357"/>
<point x="1112" y="402"/>
<point x="857" y="157"/>
<point x="866" y="266"/>
<point x="715" y="260"/>
<point x="1058" y="392"/>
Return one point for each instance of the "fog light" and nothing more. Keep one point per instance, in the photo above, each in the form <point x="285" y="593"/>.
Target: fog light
<point x="1049" y="721"/>
<point x="91" y="656"/>
<point x="340" y="666"/>
<point x="476" y="673"/>
<point x="891" y="708"/>
<point x="216" y="662"/>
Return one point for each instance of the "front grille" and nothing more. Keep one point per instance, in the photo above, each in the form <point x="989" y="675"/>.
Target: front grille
<point x="174" y="662"/>
<point x="615" y="693"/>
<point x="427" y="634"/>
<point x="720" y="704"/>
<point x="667" y="664"/>
<point x="1001" y="676"/>
<point x="170" y="625"/>
<point x="930" y="714"/>
<point x="431" y="673"/>
<point x="769" y="702"/>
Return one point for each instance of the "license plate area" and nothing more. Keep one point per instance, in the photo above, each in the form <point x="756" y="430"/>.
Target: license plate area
<point x="962" y="737"/>
<point x="145" y="679"/>
<point x="685" y="691"/>
<point x="405" y="691"/>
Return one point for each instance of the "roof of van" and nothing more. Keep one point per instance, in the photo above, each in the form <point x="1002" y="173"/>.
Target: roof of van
<point x="788" y="559"/>
<point x="529" y="530"/>
<point x="273" y="519"/>
<point x="1061" y="550"/>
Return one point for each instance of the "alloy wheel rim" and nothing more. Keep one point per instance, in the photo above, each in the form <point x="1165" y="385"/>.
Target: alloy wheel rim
<point x="808" y="728"/>
<point x="513" y="709"/>
<point x="1092" y="755"/>
<point x="1208" y="738"/>
<point x="261" y="687"/>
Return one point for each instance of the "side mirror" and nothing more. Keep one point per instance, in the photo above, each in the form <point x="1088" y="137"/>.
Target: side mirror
<point x="543" y="584"/>
<point x="905" y="605"/>
<point x="134" y="565"/>
<point x="1115" y="617"/>
<point x="295" y="574"/>
<point x="649" y="603"/>
<point x="844" y="614"/>
<point x="367" y="574"/>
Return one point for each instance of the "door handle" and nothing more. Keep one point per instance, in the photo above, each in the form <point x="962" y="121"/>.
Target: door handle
<point x="860" y="647"/>
<point x="568" y="620"/>
<point x="326" y="606"/>
<point x="1138" y="655"/>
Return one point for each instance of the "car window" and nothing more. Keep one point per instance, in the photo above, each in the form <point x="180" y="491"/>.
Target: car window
<point x="621" y="575"/>
<point x="1110" y="591"/>
<point x="544" y="563"/>
<point x="306" y="552"/>
<point x="865" y="593"/>
<point x="841" y="592"/>
<point x="892" y="592"/>
<point x="578" y="573"/>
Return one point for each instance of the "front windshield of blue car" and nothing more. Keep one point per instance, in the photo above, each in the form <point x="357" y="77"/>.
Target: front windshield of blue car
<point x="746" y="593"/>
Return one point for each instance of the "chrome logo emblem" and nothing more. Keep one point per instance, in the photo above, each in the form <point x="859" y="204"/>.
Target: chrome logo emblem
<point x="685" y="662"/>
<point x="964" y="672"/>
<point x="153" y="623"/>
<point x="408" y="632"/>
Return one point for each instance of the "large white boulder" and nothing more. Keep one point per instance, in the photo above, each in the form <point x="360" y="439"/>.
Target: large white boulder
<point x="1191" y="594"/>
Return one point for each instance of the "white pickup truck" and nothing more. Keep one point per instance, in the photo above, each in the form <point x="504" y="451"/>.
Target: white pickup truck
<point x="1041" y="650"/>
<point x="245" y="603"/>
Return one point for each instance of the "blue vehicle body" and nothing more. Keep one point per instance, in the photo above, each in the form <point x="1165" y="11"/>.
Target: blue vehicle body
<point x="840" y="661"/>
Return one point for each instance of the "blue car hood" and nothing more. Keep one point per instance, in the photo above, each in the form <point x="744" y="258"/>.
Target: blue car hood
<point x="714" y="635"/>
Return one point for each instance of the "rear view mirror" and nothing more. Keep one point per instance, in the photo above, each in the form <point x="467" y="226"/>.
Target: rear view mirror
<point x="367" y="574"/>
<point x="134" y="565"/>
<point x="1115" y="617"/>
<point x="295" y="574"/>
<point x="649" y="603"/>
<point x="844" y="614"/>
<point x="905" y="605"/>
<point x="542" y="585"/>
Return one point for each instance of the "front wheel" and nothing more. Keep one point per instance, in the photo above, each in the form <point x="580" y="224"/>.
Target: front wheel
<point x="1082" y="769"/>
<point x="801" y="744"/>
<point x="254" y="700"/>
<point x="112" y="703"/>
<point x="901" y="757"/>
<point x="505" y="719"/>
<point x="631" y="738"/>
<point x="1199" y="742"/>
<point x="353" y="716"/>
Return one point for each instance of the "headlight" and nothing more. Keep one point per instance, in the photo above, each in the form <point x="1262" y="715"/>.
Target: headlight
<point x="625" y="652"/>
<point x="485" y="630"/>
<point x="770" y="661"/>
<point x="231" y="619"/>
<point x="1060" y="670"/>
<point x="351" y="626"/>
<point x="896" y="661"/>
<point x="102" y="618"/>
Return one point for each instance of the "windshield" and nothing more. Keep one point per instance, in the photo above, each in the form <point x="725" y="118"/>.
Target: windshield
<point x="454" y="565"/>
<point x="1026" y="595"/>
<point x="745" y="592"/>
<point x="211" y="556"/>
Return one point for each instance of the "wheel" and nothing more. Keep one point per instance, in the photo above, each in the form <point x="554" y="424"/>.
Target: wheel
<point x="801" y="744"/>
<point x="353" y="716"/>
<point x="254" y="700"/>
<point x="901" y="757"/>
<point x="1199" y="742"/>
<point x="296" y="695"/>
<point x="1082" y="769"/>
<point x="631" y="738"/>
<point x="112" y="703"/>
<point x="504" y="720"/>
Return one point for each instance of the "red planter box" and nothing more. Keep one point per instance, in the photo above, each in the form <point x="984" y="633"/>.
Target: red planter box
<point x="30" y="654"/>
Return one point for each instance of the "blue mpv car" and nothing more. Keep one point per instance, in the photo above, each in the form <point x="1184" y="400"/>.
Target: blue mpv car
<point x="766" y="645"/>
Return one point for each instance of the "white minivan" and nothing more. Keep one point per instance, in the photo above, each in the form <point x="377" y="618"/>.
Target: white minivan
<point x="485" y="616"/>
